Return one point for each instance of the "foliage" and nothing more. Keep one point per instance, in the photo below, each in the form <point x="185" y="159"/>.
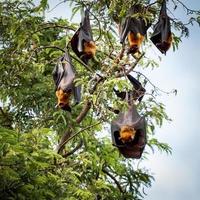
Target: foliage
<point x="88" y="167"/>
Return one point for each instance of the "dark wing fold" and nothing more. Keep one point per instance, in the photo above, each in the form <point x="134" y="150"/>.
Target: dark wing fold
<point x="162" y="36"/>
<point x="133" y="24"/>
<point x="63" y="76"/>
<point x="137" y="93"/>
<point x="82" y="35"/>
<point x="131" y="118"/>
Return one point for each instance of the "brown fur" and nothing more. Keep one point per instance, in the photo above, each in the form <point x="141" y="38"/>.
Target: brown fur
<point x="165" y="45"/>
<point x="127" y="134"/>
<point x="89" y="49"/>
<point x="63" y="98"/>
<point x="135" y="42"/>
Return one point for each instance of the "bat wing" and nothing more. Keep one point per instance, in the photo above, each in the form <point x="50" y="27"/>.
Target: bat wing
<point x="77" y="94"/>
<point x="58" y="73"/>
<point x="132" y="24"/>
<point x="137" y="93"/>
<point x="162" y="31"/>
<point x="84" y="33"/>
<point x="68" y="75"/>
<point x="139" y="90"/>
<point x="130" y="118"/>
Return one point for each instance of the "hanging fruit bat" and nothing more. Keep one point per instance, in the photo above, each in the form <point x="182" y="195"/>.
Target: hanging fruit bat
<point x="129" y="133"/>
<point x="82" y="42"/>
<point x="64" y="75"/>
<point x="134" y="29"/>
<point x="162" y="36"/>
<point x="137" y="93"/>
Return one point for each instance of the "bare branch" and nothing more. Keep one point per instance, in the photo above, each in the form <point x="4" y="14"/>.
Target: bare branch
<point x="84" y="112"/>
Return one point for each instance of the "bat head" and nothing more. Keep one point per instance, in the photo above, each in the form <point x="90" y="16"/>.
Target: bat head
<point x="63" y="99"/>
<point x="89" y="49"/>
<point x="135" y="41"/>
<point x="165" y="45"/>
<point x="127" y="134"/>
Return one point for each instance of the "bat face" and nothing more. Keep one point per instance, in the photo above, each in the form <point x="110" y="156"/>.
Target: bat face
<point x="135" y="41"/>
<point x="82" y="42"/>
<point x="129" y="133"/>
<point x="162" y="36"/>
<point x="89" y="49"/>
<point x="64" y="76"/>
<point x="63" y="99"/>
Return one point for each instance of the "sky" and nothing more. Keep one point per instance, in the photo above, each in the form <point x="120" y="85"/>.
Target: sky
<point x="176" y="175"/>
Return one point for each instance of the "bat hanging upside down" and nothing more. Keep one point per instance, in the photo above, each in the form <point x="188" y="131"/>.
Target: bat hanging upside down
<point x="135" y="41"/>
<point x="127" y="134"/>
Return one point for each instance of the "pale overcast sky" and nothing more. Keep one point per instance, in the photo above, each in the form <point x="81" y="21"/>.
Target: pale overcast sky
<point x="177" y="174"/>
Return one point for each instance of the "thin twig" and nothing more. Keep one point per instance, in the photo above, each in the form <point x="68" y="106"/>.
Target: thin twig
<point x="80" y="144"/>
<point x="55" y="26"/>
<point x="114" y="179"/>
<point x="74" y="135"/>
<point x="82" y="63"/>
<point x="131" y="68"/>
<point x="156" y="88"/>
<point x="46" y="47"/>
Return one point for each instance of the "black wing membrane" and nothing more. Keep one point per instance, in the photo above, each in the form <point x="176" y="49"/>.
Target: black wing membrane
<point x="133" y="28"/>
<point x="162" y="36"/>
<point x="137" y="93"/>
<point x="131" y="119"/>
<point x="82" y="37"/>
<point x="64" y="75"/>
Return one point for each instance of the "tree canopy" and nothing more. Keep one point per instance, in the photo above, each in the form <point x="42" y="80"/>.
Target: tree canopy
<point x="48" y="153"/>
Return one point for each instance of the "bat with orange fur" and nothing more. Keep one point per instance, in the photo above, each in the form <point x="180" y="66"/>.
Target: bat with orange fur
<point x="162" y="36"/>
<point x="129" y="132"/>
<point x="82" y="42"/>
<point x="64" y="75"/>
<point x="134" y="29"/>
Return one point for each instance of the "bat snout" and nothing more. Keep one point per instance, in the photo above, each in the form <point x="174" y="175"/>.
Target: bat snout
<point x="133" y="49"/>
<point x="64" y="106"/>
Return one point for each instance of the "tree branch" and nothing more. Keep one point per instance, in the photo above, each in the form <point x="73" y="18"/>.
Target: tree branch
<point x="46" y="47"/>
<point x="114" y="179"/>
<point x="80" y="144"/>
<point x="55" y="26"/>
<point x="131" y="68"/>
<point x="71" y="137"/>
<point x="84" y="112"/>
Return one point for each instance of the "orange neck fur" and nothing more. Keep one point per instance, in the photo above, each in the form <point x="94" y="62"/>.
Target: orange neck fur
<point x="63" y="98"/>
<point x="127" y="134"/>
<point x="135" y="41"/>
<point x="89" y="49"/>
